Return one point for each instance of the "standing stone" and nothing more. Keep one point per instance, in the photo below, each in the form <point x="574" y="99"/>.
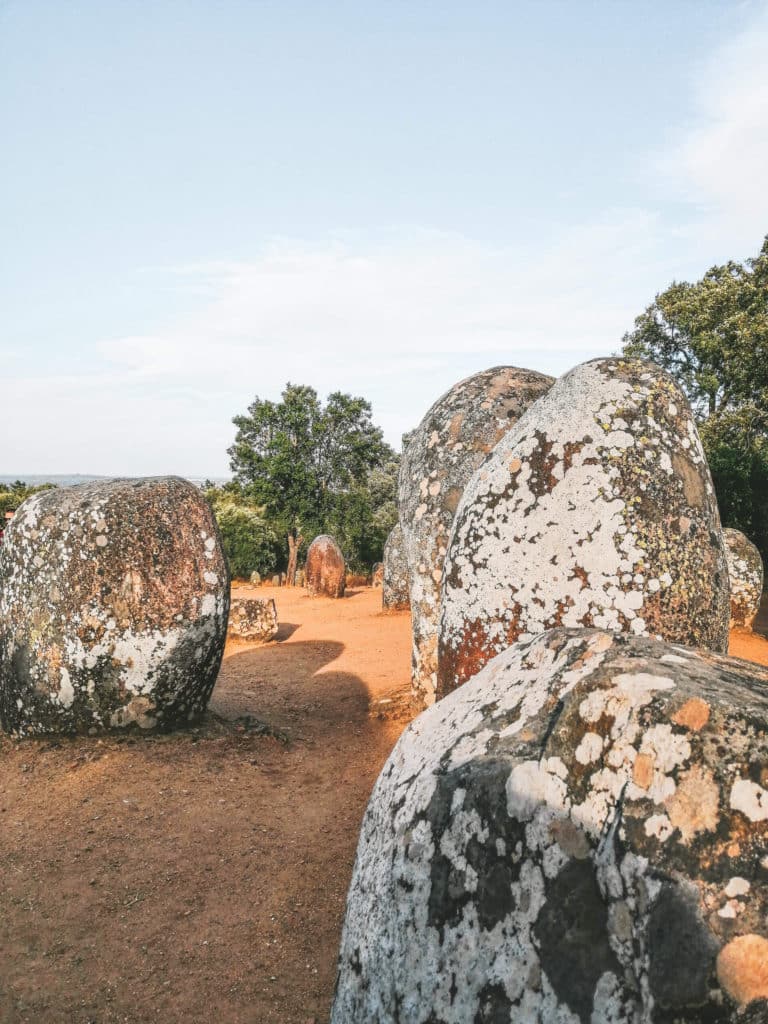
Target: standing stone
<point x="394" y="593"/>
<point x="325" y="571"/>
<point x="377" y="574"/>
<point x="745" y="569"/>
<point x="113" y="607"/>
<point x="596" y="509"/>
<point x="255" y="579"/>
<point x="251" y="618"/>
<point x="576" y="836"/>
<point x="276" y="580"/>
<point x="440" y="457"/>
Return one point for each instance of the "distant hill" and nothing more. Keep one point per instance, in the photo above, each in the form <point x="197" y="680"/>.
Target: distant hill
<point x="34" y="480"/>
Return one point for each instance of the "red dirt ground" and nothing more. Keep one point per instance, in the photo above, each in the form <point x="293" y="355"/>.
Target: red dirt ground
<point x="202" y="876"/>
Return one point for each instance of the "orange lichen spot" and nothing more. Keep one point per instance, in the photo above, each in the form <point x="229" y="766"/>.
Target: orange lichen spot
<point x="742" y="968"/>
<point x="514" y="466"/>
<point x="642" y="771"/>
<point x="694" y="714"/>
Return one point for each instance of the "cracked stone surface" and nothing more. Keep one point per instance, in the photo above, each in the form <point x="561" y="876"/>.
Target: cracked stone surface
<point x="325" y="571"/>
<point x="114" y="598"/>
<point x="575" y="836"/>
<point x="251" y="618"/>
<point x="745" y="568"/>
<point x="438" y="460"/>
<point x="596" y="509"/>
<point x="395" y="591"/>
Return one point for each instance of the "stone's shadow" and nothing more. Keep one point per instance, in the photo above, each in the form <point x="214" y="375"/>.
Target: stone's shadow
<point x="285" y="630"/>
<point x="290" y="687"/>
<point x="760" y="624"/>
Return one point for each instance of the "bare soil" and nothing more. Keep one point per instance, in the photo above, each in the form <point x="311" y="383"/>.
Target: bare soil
<point x="202" y="876"/>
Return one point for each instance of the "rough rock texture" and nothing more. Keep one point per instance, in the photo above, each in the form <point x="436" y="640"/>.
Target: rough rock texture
<point x="113" y="607"/>
<point x="576" y="836"/>
<point x="596" y="509"/>
<point x="255" y="579"/>
<point x="745" y="568"/>
<point x="377" y="574"/>
<point x="395" y="592"/>
<point x="440" y="457"/>
<point x="324" y="571"/>
<point x="251" y="618"/>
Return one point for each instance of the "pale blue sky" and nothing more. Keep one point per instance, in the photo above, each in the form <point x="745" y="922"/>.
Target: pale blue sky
<point x="203" y="200"/>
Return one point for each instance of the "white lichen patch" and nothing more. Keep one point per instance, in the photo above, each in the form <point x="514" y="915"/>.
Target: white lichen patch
<point x="576" y="534"/>
<point x="440" y="457"/>
<point x="510" y="866"/>
<point x="113" y="607"/>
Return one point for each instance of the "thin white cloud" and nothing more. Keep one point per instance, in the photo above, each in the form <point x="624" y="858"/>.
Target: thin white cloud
<point x="721" y="163"/>
<point x="398" y="320"/>
<point x="400" y="317"/>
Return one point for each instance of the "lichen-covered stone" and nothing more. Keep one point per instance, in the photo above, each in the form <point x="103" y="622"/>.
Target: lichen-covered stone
<point x="251" y="618"/>
<point x="395" y="591"/>
<point x="113" y="607"/>
<point x="745" y="568"/>
<point x="439" y="458"/>
<point x="255" y="579"/>
<point x="576" y="836"/>
<point x="325" y="571"/>
<point x="377" y="574"/>
<point x="596" y="509"/>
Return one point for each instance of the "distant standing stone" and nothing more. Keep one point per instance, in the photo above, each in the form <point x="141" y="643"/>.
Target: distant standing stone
<point x="438" y="460"/>
<point x="113" y="607"/>
<point x="251" y="618"/>
<point x="377" y="574"/>
<point x="255" y="579"/>
<point x="325" y="571"/>
<point x="745" y="568"/>
<point x="395" y="590"/>
<point x="576" y="836"/>
<point x="596" y="509"/>
<point x="276" y="580"/>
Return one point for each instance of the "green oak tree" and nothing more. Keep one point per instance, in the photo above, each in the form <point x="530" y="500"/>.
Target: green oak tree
<point x="304" y="461"/>
<point x="712" y="336"/>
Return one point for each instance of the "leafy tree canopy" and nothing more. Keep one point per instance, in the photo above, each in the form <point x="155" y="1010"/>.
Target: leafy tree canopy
<point x="712" y="336"/>
<point x="303" y="460"/>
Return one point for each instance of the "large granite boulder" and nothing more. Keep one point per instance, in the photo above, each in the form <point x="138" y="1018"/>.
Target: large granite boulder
<point x="253" y="619"/>
<point x="395" y="592"/>
<point x="596" y="509"/>
<point x="113" y="607"/>
<point x="745" y="569"/>
<point x="576" y="836"/>
<point x="325" y="571"/>
<point x="438" y="460"/>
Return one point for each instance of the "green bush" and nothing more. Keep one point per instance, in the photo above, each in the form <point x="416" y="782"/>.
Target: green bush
<point x="249" y="542"/>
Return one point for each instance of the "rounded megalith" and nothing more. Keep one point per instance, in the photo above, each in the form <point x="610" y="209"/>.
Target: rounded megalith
<point x="394" y="593"/>
<point x="745" y="569"/>
<point x="253" y="619"/>
<point x="114" y="598"/>
<point x="596" y="509"/>
<point x="325" y="571"/>
<point x="438" y="460"/>
<point x="576" y="835"/>
<point x="377" y="574"/>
